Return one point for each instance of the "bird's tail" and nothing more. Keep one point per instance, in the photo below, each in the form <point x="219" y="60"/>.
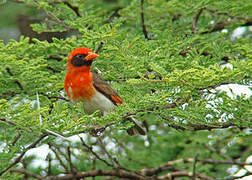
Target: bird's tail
<point x="137" y="129"/>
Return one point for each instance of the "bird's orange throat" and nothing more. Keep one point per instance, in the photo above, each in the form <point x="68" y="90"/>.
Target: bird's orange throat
<point x="78" y="84"/>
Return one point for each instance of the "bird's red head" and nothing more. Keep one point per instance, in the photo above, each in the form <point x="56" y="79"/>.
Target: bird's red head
<point x="81" y="58"/>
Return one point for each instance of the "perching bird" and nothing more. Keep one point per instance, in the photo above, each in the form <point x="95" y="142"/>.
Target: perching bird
<point x="94" y="92"/>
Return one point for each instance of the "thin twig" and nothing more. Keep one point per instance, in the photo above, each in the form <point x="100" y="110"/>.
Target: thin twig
<point x="16" y="139"/>
<point x="219" y="25"/>
<point x="206" y="161"/>
<point x="90" y="149"/>
<point x="70" y="160"/>
<point x="28" y="173"/>
<point x="53" y="97"/>
<point x="38" y="104"/>
<point x="56" y="135"/>
<point x="49" y="169"/>
<point x="173" y="175"/>
<point x="114" y="162"/>
<point x="194" y="166"/>
<point x="143" y="23"/>
<point x="115" y="14"/>
<point x="58" y="156"/>
<point x="57" y="58"/>
<point x="74" y="8"/>
<point x="93" y="167"/>
<point x="16" y="81"/>
<point x="99" y="47"/>
<point x="196" y="18"/>
<point x="53" y="16"/>
<point x="239" y="177"/>
<point x="217" y="151"/>
<point x="53" y="70"/>
<point x="17" y="160"/>
<point x="8" y="122"/>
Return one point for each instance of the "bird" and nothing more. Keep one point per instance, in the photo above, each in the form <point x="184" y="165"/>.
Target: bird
<point x="82" y="85"/>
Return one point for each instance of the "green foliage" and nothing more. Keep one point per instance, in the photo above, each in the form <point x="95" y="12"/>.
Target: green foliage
<point x="177" y="66"/>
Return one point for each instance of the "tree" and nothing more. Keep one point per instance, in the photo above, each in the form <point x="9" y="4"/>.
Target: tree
<point x="165" y="59"/>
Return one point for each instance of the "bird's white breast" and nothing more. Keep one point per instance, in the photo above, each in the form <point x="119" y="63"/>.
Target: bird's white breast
<point x="98" y="102"/>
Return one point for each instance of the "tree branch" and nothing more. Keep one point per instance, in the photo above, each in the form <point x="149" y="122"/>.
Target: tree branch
<point x="27" y="173"/>
<point x="196" y="18"/>
<point x="143" y="24"/>
<point x="219" y="25"/>
<point x="172" y="175"/>
<point x="90" y="173"/>
<point x="114" y="161"/>
<point x="74" y="8"/>
<point x="148" y="173"/>
<point x="238" y="177"/>
<point x="90" y="149"/>
<point x="69" y="158"/>
<point x="16" y="81"/>
<point x="17" y="160"/>
<point x="53" y="97"/>
<point x="194" y="174"/>
<point x="57" y="156"/>
<point x="99" y="47"/>
<point x="16" y="139"/>
<point x="115" y="14"/>
<point x="206" y="161"/>
<point x="53" y="16"/>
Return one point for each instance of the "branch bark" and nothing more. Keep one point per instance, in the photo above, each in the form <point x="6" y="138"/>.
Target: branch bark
<point x="27" y="173"/>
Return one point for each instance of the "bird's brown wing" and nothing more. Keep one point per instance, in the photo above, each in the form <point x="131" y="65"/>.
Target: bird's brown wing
<point x="103" y="87"/>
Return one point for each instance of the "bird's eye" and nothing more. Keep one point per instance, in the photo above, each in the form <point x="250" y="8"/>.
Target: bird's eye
<point x="80" y="56"/>
<point x="79" y="60"/>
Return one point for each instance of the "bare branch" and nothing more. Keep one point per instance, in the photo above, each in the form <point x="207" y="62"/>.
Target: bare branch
<point x="16" y="139"/>
<point x="74" y="8"/>
<point x="53" y="70"/>
<point x="49" y="169"/>
<point x="58" y="156"/>
<point x="157" y="170"/>
<point x="8" y="122"/>
<point x="115" y="14"/>
<point x="238" y="177"/>
<point x="16" y="81"/>
<point x="196" y="18"/>
<point x="53" y="16"/>
<point x="113" y="160"/>
<point x="212" y="161"/>
<point x="27" y="173"/>
<point x="92" y="173"/>
<point x="206" y="161"/>
<point x="17" y="160"/>
<point x="194" y="175"/>
<point x="143" y="23"/>
<point x="69" y="158"/>
<point x="217" y="151"/>
<point x="97" y="132"/>
<point x="99" y="47"/>
<point x="219" y="25"/>
<point x="53" y="97"/>
<point x="90" y="149"/>
<point x="172" y="175"/>
<point x="57" y="58"/>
